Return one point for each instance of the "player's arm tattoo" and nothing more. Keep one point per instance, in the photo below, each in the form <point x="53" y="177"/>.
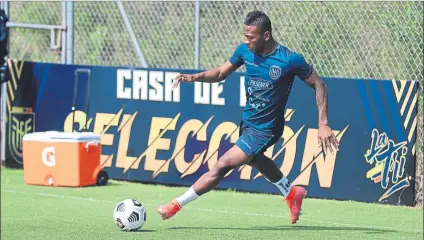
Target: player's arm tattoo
<point x="321" y="96"/>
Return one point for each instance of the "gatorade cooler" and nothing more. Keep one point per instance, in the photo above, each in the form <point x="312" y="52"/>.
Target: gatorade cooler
<point x="61" y="158"/>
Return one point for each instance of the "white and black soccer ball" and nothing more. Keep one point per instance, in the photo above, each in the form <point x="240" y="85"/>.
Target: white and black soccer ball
<point x="129" y="215"/>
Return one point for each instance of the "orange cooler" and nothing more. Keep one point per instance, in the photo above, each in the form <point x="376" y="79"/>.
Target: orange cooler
<point x="61" y="158"/>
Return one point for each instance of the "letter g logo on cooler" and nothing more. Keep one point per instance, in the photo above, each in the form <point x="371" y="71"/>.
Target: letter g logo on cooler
<point x="48" y="156"/>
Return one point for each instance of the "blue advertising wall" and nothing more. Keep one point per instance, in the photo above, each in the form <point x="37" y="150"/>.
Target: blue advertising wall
<point x="152" y="133"/>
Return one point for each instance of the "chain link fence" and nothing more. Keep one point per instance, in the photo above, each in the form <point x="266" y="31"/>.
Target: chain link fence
<point x="382" y="40"/>
<point x="33" y="44"/>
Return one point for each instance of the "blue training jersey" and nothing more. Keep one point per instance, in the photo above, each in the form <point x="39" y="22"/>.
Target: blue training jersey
<point x="268" y="82"/>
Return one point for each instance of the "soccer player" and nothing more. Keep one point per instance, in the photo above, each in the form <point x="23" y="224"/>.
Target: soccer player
<point x="270" y="72"/>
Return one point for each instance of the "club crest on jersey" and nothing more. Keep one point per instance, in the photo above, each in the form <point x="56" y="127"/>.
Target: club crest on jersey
<point x="275" y="72"/>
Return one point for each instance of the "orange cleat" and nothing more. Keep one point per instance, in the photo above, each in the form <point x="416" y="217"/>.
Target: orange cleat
<point x="169" y="210"/>
<point x="294" y="201"/>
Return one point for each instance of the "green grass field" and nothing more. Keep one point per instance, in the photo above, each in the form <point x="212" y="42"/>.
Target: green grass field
<point x="34" y="212"/>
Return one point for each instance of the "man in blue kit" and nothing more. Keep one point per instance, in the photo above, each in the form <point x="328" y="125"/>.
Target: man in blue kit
<point x="270" y="72"/>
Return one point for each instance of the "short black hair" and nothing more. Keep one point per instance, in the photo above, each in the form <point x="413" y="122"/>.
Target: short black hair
<point x="258" y="18"/>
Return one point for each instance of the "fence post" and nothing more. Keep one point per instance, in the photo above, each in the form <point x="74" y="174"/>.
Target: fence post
<point x="63" y="47"/>
<point x="132" y="35"/>
<point x="69" y="32"/>
<point x="197" y="36"/>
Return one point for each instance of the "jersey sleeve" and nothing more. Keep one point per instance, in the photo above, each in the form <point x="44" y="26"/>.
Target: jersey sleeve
<point x="237" y="58"/>
<point x="299" y="66"/>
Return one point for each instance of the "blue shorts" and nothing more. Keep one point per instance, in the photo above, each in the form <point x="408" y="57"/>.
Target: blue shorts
<point x="253" y="142"/>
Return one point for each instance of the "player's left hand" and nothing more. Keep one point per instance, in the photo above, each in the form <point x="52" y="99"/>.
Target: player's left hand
<point x="327" y="139"/>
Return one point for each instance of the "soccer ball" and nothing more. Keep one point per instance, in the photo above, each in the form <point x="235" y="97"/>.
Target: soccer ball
<point x="129" y="215"/>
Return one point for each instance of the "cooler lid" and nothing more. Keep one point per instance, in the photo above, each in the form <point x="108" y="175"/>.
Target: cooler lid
<point x="62" y="136"/>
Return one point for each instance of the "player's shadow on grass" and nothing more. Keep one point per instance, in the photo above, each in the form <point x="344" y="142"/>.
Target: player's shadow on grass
<point x="142" y="230"/>
<point x="295" y="228"/>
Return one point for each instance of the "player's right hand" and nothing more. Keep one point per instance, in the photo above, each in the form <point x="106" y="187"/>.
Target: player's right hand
<point x="327" y="139"/>
<point x="184" y="78"/>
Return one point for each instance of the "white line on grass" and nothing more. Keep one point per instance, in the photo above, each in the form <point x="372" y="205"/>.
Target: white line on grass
<point x="223" y="211"/>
